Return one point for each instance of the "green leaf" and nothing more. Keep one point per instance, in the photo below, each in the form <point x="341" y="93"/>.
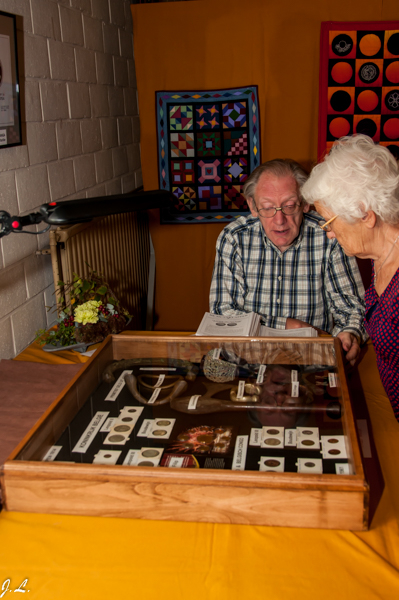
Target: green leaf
<point x="102" y="290"/>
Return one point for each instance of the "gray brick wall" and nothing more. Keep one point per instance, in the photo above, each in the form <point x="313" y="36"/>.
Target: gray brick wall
<point x="81" y="138"/>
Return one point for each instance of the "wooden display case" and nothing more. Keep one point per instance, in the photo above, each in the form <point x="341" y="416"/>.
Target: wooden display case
<point x="259" y="471"/>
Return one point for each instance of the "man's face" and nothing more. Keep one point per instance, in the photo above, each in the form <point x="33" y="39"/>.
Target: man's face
<point x="273" y="191"/>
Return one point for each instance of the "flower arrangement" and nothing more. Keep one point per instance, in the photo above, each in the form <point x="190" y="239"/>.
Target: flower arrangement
<point x="89" y="313"/>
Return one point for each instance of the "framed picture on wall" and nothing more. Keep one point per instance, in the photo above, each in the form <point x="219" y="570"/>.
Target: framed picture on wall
<point x="10" y="114"/>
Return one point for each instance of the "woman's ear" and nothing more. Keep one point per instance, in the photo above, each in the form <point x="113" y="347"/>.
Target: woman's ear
<point x="370" y="219"/>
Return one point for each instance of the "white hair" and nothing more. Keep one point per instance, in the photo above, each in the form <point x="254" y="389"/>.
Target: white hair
<point x="356" y="176"/>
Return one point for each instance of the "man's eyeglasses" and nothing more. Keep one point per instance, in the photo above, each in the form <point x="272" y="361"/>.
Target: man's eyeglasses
<point x="325" y="225"/>
<point x="288" y="209"/>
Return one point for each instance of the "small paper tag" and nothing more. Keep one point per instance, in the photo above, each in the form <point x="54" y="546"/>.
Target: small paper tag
<point x="294" y="375"/>
<point x="261" y="374"/>
<point x="332" y="380"/>
<point x="255" y="437"/>
<point x="216" y="353"/>
<point x="240" y="453"/>
<point x="117" y="387"/>
<point x="91" y="430"/>
<point x="108" y="424"/>
<point x="157" y="368"/>
<point x="132" y="458"/>
<point x="154" y="395"/>
<point x="192" y="405"/>
<point x="241" y="389"/>
<point x="290" y="437"/>
<point x="160" y="381"/>
<point x="145" y="428"/>
<point x="51" y="454"/>
<point x="295" y="389"/>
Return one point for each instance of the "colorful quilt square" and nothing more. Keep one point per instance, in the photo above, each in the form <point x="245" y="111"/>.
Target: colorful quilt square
<point x="182" y="171"/>
<point x="233" y="197"/>
<point x="207" y="116"/>
<point x="235" y="143"/>
<point x="210" y="197"/>
<point x="209" y="170"/>
<point x="185" y="198"/>
<point x="182" y="144"/>
<point x="234" y="115"/>
<point x="208" y="144"/>
<point x="181" y="118"/>
<point x="235" y="170"/>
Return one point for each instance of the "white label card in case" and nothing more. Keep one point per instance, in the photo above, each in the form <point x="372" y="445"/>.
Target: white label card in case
<point x="132" y="458"/>
<point x="216" y="353"/>
<point x="160" y="381"/>
<point x="145" y="428"/>
<point x="295" y="389"/>
<point x="255" y="437"/>
<point x="261" y="374"/>
<point x="52" y="453"/>
<point x="154" y="395"/>
<point x="240" y="453"/>
<point x="157" y="368"/>
<point x="108" y="424"/>
<point x="91" y="430"/>
<point x="117" y="387"/>
<point x="332" y="380"/>
<point x="294" y="375"/>
<point x="192" y="405"/>
<point x="241" y="389"/>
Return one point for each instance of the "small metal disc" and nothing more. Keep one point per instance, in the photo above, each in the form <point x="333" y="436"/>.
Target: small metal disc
<point x="159" y="432"/>
<point x="271" y="462"/>
<point x="107" y="455"/>
<point x="203" y="449"/>
<point x="272" y="442"/>
<point x="333" y="441"/>
<point x="308" y="442"/>
<point x="150" y="453"/>
<point x="309" y="464"/>
<point x="145" y="463"/>
<point x="183" y="437"/>
<point x="334" y="451"/>
<point x="132" y="410"/>
<point x="163" y="423"/>
<point x="127" y="419"/>
<point x="307" y="432"/>
<point x="272" y="431"/>
<point x="205" y="439"/>
<point x="116" y="438"/>
<point x="121" y="428"/>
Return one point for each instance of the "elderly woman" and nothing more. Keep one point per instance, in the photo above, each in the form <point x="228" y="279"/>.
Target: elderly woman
<point x="356" y="191"/>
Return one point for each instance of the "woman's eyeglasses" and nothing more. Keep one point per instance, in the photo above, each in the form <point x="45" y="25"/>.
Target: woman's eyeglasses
<point x="325" y="225"/>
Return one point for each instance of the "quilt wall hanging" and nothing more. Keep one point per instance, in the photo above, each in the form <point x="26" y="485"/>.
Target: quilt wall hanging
<point x="208" y="144"/>
<point x="359" y="82"/>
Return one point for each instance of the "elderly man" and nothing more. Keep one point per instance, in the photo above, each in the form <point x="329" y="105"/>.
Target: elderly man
<point x="278" y="263"/>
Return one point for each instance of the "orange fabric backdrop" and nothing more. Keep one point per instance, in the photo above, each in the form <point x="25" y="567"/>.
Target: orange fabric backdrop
<point x="211" y="44"/>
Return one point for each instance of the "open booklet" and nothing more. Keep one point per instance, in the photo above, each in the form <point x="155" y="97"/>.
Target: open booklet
<point x="247" y="324"/>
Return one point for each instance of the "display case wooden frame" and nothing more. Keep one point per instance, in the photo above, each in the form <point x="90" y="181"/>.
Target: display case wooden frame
<point x="223" y="496"/>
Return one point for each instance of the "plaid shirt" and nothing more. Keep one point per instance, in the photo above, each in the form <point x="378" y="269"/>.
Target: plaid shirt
<point x="313" y="280"/>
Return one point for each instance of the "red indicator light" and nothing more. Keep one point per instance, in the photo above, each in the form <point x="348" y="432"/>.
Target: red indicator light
<point x="52" y="203"/>
<point x="15" y="224"/>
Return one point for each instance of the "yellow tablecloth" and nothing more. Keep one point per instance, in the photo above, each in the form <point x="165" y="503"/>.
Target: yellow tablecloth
<point x="100" y="558"/>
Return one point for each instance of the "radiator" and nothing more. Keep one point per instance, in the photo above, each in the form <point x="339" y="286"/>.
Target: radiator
<point x="120" y="248"/>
